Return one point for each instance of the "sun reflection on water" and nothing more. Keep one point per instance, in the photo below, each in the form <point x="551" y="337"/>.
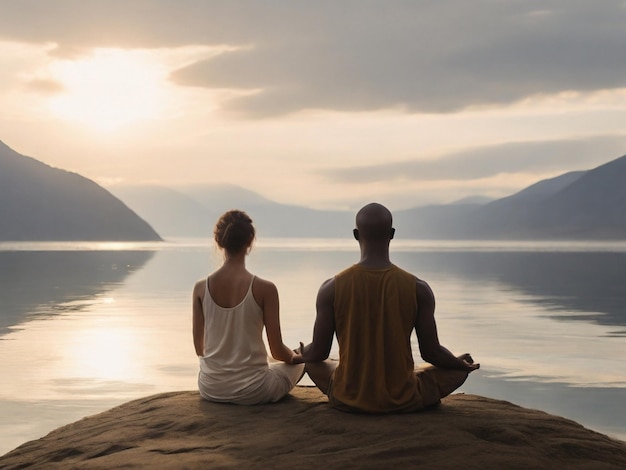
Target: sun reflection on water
<point x="104" y="353"/>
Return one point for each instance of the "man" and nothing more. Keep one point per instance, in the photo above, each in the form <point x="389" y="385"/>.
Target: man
<point x="373" y="308"/>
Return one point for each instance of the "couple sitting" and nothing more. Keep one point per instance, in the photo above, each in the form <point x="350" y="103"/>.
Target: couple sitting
<point x="372" y="307"/>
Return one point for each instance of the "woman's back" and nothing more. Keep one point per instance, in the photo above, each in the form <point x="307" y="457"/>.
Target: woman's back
<point x="234" y="355"/>
<point x="229" y="285"/>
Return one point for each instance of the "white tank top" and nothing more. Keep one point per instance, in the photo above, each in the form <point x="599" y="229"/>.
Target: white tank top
<point x="234" y="353"/>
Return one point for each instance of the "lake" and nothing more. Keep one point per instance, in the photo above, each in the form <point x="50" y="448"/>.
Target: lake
<point x="87" y="326"/>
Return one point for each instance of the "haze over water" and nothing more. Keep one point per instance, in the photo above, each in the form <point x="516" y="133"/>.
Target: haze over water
<point x="87" y="327"/>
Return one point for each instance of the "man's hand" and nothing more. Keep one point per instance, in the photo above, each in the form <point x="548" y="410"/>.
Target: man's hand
<point x="467" y="359"/>
<point x="297" y="355"/>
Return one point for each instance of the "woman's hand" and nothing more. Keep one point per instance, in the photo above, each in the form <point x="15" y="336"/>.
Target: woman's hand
<point x="297" y="355"/>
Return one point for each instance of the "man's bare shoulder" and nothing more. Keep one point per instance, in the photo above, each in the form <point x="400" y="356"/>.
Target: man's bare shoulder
<point x="326" y="292"/>
<point x="423" y="289"/>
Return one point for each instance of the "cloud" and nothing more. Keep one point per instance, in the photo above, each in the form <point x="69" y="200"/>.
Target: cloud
<point x="76" y="24"/>
<point x="355" y="55"/>
<point x="45" y="86"/>
<point x="484" y="162"/>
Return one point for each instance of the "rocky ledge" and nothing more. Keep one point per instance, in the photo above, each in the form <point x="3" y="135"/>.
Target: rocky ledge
<point x="180" y="430"/>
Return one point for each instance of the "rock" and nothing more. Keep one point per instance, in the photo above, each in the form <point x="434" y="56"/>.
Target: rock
<point x="180" y="430"/>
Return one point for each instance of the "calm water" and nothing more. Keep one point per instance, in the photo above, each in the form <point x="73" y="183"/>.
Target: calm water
<point x="87" y="327"/>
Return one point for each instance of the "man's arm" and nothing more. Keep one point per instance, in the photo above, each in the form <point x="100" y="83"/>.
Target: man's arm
<point x="324" y="328"/>
<point x="426" y="328"/>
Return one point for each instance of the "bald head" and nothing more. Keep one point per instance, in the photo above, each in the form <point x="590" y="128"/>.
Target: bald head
<point x="374" y="223"/>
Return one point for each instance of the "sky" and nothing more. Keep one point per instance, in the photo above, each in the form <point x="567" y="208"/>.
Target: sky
<point x="327" y="104"/>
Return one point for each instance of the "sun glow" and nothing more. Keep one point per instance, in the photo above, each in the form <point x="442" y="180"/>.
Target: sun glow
<point x="105" y="354"/>
<point x="109" y="89"/>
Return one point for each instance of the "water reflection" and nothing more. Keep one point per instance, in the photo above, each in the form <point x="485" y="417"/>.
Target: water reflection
<point x="36" y="284"/>
<point x="570" y="285"/>
<point x="116" y="337"/>
<point x="573" y="286"/>
<point x="599" y="408"/>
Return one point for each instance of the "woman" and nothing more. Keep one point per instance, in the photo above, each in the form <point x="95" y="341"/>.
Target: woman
<point x="230" y="309"/>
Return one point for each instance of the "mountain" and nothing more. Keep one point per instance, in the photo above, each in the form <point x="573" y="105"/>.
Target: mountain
<point x="443" y="221"/>
<point x="580" y="205"/>
<point x="222" y="197"/>
<point x="170" y="212"/>
<point x="38" y="202"/>
<point x="474" y="200"/>
<point x="541" y="190"/>
<point x="576" y="205"/>
<point x="193" y="211"/>
<point x="591" y="206"/>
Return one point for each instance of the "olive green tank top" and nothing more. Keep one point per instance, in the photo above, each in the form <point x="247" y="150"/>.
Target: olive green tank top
<point x="375" y="314"/>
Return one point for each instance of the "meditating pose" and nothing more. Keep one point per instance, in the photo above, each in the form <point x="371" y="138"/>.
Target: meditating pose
<point x="230" y="309"/>
<point x="373" y="307"/>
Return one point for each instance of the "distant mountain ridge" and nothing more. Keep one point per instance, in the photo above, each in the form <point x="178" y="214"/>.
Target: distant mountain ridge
<point x="38" y="202"/>
<point x="576" y="205"/>
<point x="41" y="203"/>
<point x="580" y="205"/>
<point x="193" y="212"/>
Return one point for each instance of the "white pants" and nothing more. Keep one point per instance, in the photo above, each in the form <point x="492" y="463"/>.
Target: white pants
<point x="277" y="382"/>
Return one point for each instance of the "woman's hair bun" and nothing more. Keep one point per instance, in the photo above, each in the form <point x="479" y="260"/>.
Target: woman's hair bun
<point x="234" y="231"/>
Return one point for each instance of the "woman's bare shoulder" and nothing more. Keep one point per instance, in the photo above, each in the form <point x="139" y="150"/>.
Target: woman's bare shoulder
<point x="264" y="283"/>
<point x="199" y="287"/>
